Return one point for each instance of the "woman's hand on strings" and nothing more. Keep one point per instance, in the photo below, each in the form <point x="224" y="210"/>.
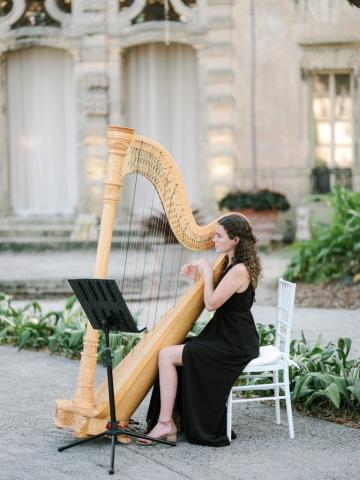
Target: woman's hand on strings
<point x="203" y="265"/>
<point x="190" y="270"/>
<point x="195" y="269"/>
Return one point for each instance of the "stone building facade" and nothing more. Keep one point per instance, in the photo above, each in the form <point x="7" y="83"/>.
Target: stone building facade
<point x="260" y="92"/>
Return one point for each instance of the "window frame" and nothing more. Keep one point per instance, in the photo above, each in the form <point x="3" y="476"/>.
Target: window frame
<point x="332" y="90"/>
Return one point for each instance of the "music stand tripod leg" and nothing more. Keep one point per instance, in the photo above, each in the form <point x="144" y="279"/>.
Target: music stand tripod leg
<point x="84" y="440"/>
<point x="113" y="443"/>
<point x="113" y="421"/>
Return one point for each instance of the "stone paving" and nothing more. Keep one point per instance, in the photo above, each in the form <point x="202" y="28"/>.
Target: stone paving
<point x="32" y="381"/>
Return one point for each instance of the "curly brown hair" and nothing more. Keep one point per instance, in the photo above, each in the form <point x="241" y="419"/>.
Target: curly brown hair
<point x="237" y="225"/>
<point x="354" y="3"/>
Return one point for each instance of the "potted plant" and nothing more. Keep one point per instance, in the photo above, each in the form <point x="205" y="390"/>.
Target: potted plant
<point x="257" y="200"/>
<point x="261" y="207"/>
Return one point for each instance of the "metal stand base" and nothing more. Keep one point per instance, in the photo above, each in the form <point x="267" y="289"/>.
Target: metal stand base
<point x="114" y="432"/>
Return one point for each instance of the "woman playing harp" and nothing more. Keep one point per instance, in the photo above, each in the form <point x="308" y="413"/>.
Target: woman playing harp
<point x="195" y="377"/>
<point x="152" y="282"/>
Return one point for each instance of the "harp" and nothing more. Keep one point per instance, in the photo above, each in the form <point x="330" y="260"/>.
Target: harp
<point x="88" y="411"/>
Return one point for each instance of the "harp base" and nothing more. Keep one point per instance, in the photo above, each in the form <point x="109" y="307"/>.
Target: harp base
<point x="82" y="422"/>
<point x="112" y="427"/>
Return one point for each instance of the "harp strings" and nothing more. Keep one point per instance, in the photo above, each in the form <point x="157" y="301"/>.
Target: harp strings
<point x="147" y="265"/>
<point x="150" y="257"/>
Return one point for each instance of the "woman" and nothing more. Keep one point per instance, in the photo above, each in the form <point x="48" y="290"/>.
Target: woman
<point x="210" y="362"/>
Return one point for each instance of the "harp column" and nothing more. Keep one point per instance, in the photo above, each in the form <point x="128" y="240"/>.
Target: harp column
<point x="119" y="140"/>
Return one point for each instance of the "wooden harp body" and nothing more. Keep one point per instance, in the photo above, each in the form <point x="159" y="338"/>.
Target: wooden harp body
<point x="87" y="413"/>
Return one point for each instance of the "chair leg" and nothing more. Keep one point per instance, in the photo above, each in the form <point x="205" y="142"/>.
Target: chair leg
<point x="229" y="416"/>
<point x="277" y="393"/>
<point x="288" y="402"/>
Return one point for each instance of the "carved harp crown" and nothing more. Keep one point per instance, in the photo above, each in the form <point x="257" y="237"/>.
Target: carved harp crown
<point x="88" y="411"/>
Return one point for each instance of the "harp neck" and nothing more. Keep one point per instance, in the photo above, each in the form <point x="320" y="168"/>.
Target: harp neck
<point x="150" y="159"/>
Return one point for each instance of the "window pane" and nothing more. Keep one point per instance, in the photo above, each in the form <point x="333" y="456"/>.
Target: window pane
<point x="343" y="157"/>
<point x="323" y="133"/>
<point x="343" y="133"/>
<point x="323" y="156"/>
<point x="321" y="99"/>
<point x="343" y="104"/>
<point x="321" y="108"/>
<point x="321" y="85"/>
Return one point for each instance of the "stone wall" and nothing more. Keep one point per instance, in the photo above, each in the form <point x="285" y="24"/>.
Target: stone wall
<point x="254" y="57"/>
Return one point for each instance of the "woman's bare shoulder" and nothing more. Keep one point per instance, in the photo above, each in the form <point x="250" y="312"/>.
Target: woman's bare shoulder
<point x="239" y="269"/>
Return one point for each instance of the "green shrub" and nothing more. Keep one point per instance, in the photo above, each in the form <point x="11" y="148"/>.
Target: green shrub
<point x="60" y="332"/>
<point x="259" y="200"/>
<point x="26" y="327"/>
<point x="326" y="380"/>
<point x="120" y="343"/>
<point x="266" y="334"/>
<point x="334" y="251"/>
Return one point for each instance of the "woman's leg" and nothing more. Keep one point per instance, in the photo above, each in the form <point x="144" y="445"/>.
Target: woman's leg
<point x="169" y="359"/>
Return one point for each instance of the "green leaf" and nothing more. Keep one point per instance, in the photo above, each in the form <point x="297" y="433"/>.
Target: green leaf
<point x="70" y="303"/>
<point x="332" y="393"/>
<point x="24" y="338"/>
<point x="355" y="390"/>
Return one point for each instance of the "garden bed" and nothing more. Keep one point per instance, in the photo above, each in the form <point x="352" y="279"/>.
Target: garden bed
<point x="332" y="295"/>
<point x="349" y="420"/>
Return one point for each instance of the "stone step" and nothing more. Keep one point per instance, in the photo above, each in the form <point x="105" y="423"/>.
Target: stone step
<point x="37" y="236"/>
<point x="36" y="244"/>
<point x="54" y="288"/>
<point x="60" y="243"/>
<point x="36" y="220"/>
<point x="34" y="231"/>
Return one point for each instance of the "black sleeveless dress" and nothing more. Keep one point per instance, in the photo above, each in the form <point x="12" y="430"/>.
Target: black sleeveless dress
<point x="211" y="363"/>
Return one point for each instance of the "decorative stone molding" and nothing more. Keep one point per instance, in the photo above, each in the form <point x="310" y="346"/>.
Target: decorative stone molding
<point x="12" y="17"/>
<point x="154" y="32"/>
<point x="190" y="15"/>
<point x="64" y="18"/>
<point x="96" y="105"/>
<point x="118" y="20"/>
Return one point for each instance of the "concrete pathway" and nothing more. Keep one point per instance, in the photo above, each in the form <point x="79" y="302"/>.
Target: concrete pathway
<point x="32" y="381"/>
<point x="49" y="270"/>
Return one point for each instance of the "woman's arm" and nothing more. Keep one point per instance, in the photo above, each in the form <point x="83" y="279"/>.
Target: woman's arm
<point x="236" y="279"/>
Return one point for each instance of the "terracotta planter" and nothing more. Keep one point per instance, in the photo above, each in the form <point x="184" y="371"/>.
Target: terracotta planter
<point x="263" y="223"/>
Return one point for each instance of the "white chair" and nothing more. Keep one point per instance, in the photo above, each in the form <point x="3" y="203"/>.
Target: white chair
<point x="271" y="360"/>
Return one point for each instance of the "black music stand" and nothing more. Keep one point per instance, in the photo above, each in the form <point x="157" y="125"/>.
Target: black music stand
<point x="106" y="310"/>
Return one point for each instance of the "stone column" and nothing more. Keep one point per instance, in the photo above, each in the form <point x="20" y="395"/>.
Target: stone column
<point x="93" y="102"/>
<point x="4" y="152"/>
<point x="220" y="97"/>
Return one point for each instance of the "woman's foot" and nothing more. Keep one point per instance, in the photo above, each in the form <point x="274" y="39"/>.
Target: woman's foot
<point x="162" y="430"/>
